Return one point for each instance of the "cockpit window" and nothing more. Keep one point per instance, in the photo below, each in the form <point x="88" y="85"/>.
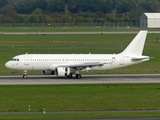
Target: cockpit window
<point x="14" y="59"/>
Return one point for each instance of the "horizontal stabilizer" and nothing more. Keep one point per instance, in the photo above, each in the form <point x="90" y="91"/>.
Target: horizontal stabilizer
<point x="141" y="58"/>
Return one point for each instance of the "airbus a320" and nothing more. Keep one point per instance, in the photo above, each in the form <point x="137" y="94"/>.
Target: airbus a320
<point x="69" y="64"/>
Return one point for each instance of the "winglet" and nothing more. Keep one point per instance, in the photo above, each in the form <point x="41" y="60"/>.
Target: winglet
<point x="137" y="44"/>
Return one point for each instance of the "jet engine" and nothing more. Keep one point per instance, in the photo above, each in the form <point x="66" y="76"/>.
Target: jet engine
<point x="62" y="71"/>
<point x="48" y="72"/>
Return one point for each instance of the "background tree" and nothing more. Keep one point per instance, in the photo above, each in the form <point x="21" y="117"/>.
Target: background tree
<point x="56" y="6"/>
<point x="27" y="6"/>
<point x="41" y="4"/>
<point x="9" y="13"/>
<point x="37" y="11"/>
<point x="21" y="7"/>
<point x="49" y="19"/>
<point x="135" y="13"/>
<point x="3" y="3"/>
<point x="107" y="6"/>
<point x="75" y="10"/>
<point x="66" y="18"/>
<point x="155" y="6"/>
<point x="145" y="5"/>
<point x="72" y="5"/>
<point x="124" y="6"/>
<point x="20" y="19"/>
<point x="32" y="19"/>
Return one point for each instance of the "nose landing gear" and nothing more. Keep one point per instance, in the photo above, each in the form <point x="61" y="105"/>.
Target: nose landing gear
<point x="25" y="74"/>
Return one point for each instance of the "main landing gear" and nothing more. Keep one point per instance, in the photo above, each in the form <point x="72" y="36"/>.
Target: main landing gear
<point x="78" y="76"/>
<point x="25" y="74"/>
<point x="70" y="75"/>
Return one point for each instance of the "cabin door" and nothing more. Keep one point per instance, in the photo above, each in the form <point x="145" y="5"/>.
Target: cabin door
<point x="26" y="60"/>
<point x="121" y="60"/>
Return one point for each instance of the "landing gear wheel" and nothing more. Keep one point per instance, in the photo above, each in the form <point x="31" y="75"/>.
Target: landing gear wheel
<point x="78" y="76"/>
<point x="70" y="75"/>
<point x="24" y="76"/>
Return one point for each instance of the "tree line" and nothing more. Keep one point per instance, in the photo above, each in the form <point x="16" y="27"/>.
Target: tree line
<point x="32" y="11"/>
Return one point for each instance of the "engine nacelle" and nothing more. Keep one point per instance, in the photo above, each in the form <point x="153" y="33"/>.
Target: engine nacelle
<point x="48" y="72"/>
<point x="62" y="71"/>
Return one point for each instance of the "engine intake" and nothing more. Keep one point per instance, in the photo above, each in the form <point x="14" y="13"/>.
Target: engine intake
<point x="62" y="71"/>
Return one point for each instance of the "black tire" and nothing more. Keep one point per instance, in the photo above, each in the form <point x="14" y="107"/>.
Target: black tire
<point x="24" y="76"/>
<point x="78" y="76"/>
<point x="70" y="75"/>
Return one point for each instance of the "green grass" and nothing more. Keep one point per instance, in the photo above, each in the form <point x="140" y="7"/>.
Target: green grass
<point x="80" y="97"/>
<point x="64" y="29"/>
<point x="17" y="98"/>
<point x="12" y="45"/>
<point x="81" y="115"/>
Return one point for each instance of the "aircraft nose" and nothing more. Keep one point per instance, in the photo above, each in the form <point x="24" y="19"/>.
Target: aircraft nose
<point x="8" y="65"/>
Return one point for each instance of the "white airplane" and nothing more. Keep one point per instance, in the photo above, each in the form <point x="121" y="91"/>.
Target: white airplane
<point x="68" y="64"/>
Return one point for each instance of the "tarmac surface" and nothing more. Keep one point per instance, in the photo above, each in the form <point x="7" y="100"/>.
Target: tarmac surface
<point x="68" y="112"/>
<point x="86" y="79"/>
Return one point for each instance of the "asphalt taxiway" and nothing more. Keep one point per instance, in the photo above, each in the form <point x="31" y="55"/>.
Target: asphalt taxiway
<point x="86" y="79"/>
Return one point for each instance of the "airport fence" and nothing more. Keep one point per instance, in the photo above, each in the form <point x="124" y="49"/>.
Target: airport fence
<point x="75" y="24"/>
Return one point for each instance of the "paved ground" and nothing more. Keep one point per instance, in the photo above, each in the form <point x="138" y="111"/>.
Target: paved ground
<point x="86" y="79"/>
<point x="120" y="111"/>
<point x="67" y="112"/>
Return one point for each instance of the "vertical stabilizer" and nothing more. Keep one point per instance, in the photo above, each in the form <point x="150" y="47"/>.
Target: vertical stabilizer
<point x="137" y="44"/>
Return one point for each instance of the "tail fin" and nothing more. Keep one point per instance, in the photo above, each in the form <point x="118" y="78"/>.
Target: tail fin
<point x="137" y="44"/>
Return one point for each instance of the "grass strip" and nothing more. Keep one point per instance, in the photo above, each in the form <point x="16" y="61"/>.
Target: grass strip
<point x="17" y="98"/>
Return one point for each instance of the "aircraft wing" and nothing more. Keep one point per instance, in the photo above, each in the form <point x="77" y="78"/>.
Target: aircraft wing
<point x="83" y="66"/>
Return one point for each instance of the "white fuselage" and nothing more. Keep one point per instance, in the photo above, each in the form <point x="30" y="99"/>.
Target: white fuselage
<point x="66" y="64"/>
<point x="42" y="62"/>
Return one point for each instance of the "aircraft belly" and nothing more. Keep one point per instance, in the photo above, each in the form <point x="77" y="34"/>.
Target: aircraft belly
<point x="39" y="66"/>
<point x="34" y="67"/>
